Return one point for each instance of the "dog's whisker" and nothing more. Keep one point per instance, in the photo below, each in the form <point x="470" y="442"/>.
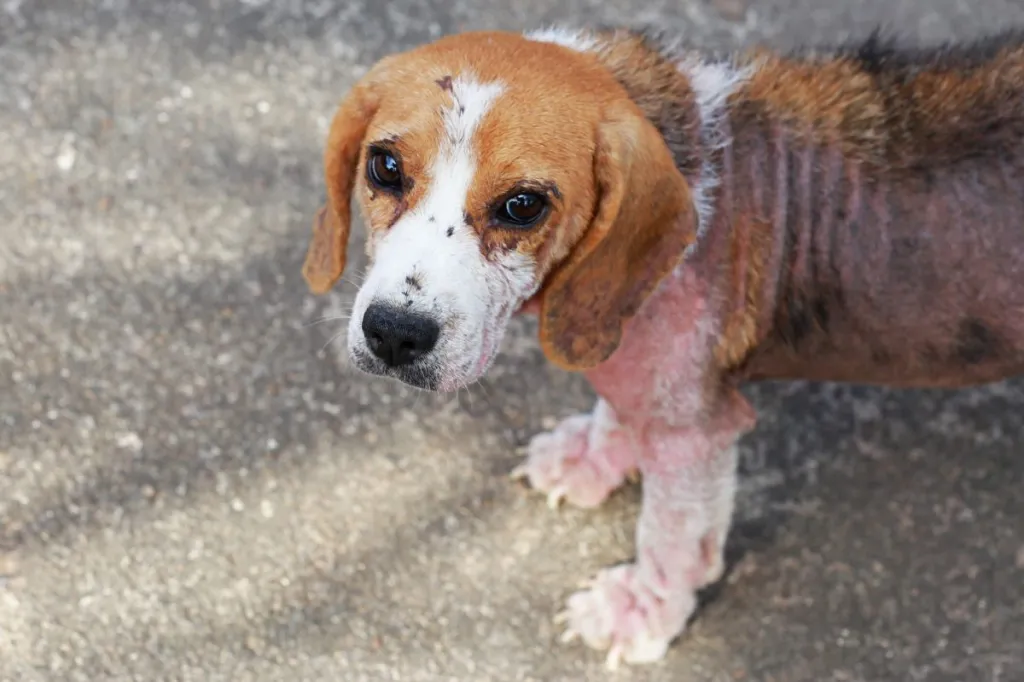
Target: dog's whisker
<point x="330" y="315"/>
<point x="484" y="388"/>
<point x="356" y="279"/>
<point x="353" y="282"/>
<point x="338" y="318"/>
<point x="469" y="399"/>
<point x="333" y="339"/>
<point x="458" y="398"/>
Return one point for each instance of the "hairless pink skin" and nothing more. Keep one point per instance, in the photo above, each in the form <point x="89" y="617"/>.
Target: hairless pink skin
<point x="662" y="413"/>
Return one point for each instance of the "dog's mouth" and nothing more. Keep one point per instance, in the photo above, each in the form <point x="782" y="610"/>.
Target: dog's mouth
<point x="421" y="375"/>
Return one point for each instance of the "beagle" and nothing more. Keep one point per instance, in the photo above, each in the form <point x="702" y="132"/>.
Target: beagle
<point x="680" y="222"/>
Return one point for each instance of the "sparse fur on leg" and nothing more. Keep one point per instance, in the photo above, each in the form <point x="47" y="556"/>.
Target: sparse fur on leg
<point x="582" y="460"/>
<point x="635" y="610"/>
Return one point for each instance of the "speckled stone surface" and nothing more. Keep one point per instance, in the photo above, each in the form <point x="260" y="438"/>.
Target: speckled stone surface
<point x="194" y="485"/>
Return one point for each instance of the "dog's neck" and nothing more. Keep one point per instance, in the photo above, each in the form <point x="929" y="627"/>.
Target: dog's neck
<point x="685" y="95"/>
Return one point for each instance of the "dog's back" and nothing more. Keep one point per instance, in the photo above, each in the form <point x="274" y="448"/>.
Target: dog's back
<point x="893" y="187"/>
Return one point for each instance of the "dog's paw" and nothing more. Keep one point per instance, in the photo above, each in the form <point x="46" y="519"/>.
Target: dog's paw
<point x="619" y="613"/>
<point x="582" y="460"/>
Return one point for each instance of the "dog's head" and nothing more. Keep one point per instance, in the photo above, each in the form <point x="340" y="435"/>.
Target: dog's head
<point x="493" y="170"/>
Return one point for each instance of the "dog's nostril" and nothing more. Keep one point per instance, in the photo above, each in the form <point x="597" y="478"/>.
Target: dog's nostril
<point x="396" y="336"/>
<point x="375" y="340"/>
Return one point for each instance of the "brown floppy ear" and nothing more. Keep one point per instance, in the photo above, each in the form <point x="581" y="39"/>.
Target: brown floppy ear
<point x="643" y="222"/>
<point x="325" y="256"/>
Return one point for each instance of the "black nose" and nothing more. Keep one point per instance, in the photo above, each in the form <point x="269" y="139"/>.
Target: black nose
<point x="398" y="337"/>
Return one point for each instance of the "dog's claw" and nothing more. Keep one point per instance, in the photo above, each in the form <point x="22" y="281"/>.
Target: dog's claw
<point x="614" y="657"/>
<point x="556" y="495"/>
<point x="519" y="473"/>
<point x="561" y="617"/>
<point x="568" y="636"/>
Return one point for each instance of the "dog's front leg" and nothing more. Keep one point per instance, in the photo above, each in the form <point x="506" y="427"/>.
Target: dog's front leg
<point x="635" y="610"/>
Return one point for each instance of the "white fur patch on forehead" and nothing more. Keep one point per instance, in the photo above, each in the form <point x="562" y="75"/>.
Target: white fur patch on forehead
<point x="471" y="100"/>
<point x="574" y="39"/>
<point x="452" y="173"/>
<point x="712" y="83"/>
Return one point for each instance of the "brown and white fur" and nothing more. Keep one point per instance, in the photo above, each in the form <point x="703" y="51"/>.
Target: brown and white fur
<point x="849" y="215"/>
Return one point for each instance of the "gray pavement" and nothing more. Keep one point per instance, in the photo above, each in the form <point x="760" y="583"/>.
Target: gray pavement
<point x="195" y="485"/>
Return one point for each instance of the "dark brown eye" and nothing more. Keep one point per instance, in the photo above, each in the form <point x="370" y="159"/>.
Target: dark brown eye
<point x="522" y="210"/>
<point x="384" y="171"/>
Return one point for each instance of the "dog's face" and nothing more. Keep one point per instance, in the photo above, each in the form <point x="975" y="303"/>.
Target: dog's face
<point x="490" y="169"/>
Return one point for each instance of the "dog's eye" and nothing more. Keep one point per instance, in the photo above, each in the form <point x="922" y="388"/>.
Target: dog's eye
<point x="522" y="210"/>
<point x="384" y="171"/>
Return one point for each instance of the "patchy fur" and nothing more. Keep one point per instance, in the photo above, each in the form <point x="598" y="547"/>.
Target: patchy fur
<point x="851" y="214"/>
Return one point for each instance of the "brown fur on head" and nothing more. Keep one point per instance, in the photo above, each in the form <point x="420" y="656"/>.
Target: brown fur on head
<point x="471" y="120"/>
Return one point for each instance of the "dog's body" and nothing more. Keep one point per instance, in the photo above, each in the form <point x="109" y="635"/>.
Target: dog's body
<point x="852" y="216"/>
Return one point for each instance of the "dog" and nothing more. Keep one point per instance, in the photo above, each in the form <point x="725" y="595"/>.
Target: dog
<point x="680" y="223"/>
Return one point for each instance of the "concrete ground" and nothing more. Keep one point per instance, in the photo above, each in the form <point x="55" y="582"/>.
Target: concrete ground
<point x="194" y="485"/>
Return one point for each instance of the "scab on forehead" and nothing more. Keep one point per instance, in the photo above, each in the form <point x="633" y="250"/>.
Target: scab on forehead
<point x="445" y="83"/>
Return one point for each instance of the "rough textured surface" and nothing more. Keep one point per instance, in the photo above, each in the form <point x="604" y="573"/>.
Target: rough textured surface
<point x="193" y="486"/>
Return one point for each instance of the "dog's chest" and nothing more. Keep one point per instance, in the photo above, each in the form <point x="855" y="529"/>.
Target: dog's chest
<point x="661" y="368"/>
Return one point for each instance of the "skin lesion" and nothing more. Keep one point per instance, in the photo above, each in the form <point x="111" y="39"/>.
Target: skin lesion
<point x="494" y="242"/>
<point x="445" y="83"/>
<point x="400" y="208"/>
<point x="976" y="342"/>
<point x="384" y="206"/>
